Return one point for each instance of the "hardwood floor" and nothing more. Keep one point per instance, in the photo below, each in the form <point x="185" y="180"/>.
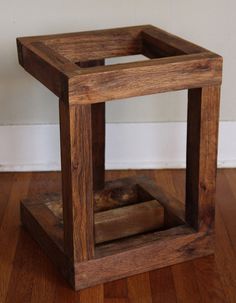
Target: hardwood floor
<point x="27" y="275"/>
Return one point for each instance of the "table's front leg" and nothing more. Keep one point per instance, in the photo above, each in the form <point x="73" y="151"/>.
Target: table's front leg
<point x="77" y="180"/>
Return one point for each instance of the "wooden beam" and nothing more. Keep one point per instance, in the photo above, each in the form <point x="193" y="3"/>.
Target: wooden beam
<point x="93" y="45"/>
<point x="98" y="134"/>
<point x="77" y="180"/>
<point x="202" y="138"/>
<point x="169" y="247"/>
<point x="169" y="44"/>
<point x="119" y="81"/>
<point x="121" y="222"/>
<point x="47" y="66"/>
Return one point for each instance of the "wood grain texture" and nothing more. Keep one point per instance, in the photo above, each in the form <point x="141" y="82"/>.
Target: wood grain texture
<point x="156" y="250"/>
<point x="120" y="81"/>
<point x="156" y="254"/>
<point x="185" y="282"/>
<point x="94" y="45"/>
<point x="77" y="180"/>
<point x="168" y="44"/>
<point x="9" y="228"/>
<point x="51" y="60"/>
<point x="98" y="134"/>
<point x="219" y="272"/>
<point x="139" y="289"/>
<point x="47" y="66"/>
<point x="202" y="137"/>
<point x="129" y="220"/>
<point x="110" y="224"/>
<point x="172" y="205"/>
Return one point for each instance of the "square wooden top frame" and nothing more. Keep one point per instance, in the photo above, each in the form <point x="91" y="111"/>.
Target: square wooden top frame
<point x="174" y="63"/>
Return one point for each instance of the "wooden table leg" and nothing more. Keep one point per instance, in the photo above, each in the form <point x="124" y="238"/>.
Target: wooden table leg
<point x="77" y="191"/>
<point x="83" y="165"/>
<point x="98" y="134"/>
<point x="202" y="137"/>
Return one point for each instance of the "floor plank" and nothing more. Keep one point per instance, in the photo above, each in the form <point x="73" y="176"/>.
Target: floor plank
<point x="186" y="287"/>
<point x="162" y="286"/>
<point x="139" y="290"/>
<point x="9" y="230"/>
<point x="209" y="281"/>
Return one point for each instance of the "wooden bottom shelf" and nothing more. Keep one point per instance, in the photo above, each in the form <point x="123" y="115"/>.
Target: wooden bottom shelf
<point x="168" y="242"/>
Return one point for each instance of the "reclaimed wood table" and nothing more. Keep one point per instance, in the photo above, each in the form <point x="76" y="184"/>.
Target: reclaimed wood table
<point x="99" y="231"/>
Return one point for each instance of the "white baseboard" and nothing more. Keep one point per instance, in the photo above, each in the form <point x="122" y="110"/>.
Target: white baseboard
<point x="129" y="145"/>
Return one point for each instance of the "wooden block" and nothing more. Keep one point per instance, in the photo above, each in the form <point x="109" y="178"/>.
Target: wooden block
<point x="123" y="221"/>
<point x="117" y="196"/>
<point x="129" y="220"/>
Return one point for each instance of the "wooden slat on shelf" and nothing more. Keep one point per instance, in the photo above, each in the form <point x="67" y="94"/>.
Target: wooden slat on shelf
<point x="123" y="221"/>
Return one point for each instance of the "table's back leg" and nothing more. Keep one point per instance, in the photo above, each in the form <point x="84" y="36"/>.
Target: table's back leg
<point x="98" y="134"/>
<point x="202" y="137"/>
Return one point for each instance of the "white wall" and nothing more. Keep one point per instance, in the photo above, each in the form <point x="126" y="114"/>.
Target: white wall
<point x="128" y="145"/>
<point x="25" y="101"/>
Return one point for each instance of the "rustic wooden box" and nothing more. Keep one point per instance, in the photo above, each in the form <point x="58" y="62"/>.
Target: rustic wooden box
<point x="73" y="67"/>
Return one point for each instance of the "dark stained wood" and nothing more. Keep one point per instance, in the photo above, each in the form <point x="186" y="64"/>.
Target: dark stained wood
<point x="98" y="134"/>
<point x="150" y="255"/>
<point x="94" y="45"/>
<point x="47" y="66"/>
<point x="98" y="141"/>
<point x="172" y="205"/>
<point x="154" y="47"/>
<point x="24" y="263"/>
<point x="30" y="39"/>
<point x="110" y="224"/>
<point x="126" y="80"/>
<point x="168" y="44"/>
<point x="77" y="191"/>
<point x="51" y="60"/>
<point x="129" y="220"/>
<point x="180" y="243"/>
<point x="113" y="196"/>
<point x="150" y="251"/>
<point x="139" y="241"/>
<point x="202" y="137"/>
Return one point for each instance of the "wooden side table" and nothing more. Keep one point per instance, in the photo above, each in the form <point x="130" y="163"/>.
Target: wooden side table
<point x="101" y="231"/>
